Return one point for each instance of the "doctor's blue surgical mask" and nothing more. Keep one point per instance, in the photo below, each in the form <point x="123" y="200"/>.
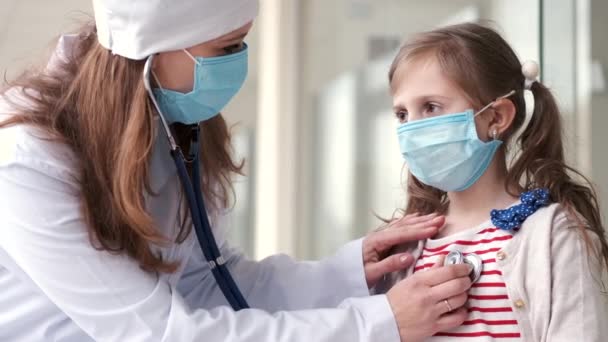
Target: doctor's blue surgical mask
<point x="216" y="81"/>
<point x="445" y="152"/>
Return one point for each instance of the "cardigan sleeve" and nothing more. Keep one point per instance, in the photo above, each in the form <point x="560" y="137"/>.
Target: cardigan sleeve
<point x="579" y="303"/>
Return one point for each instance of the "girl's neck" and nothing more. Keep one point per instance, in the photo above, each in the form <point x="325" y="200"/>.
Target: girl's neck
<point x="472" y="207"/>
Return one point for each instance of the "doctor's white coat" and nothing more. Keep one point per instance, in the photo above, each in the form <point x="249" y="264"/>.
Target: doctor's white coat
<point x="54" y="286"/>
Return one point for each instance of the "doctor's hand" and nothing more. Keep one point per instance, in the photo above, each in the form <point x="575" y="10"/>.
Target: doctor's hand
<point x="430" y="301"/>
<point x="377" y="244"/>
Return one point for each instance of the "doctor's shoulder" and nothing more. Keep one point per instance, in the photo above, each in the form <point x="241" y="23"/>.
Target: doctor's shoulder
<point x="389" y="280"/>
<point x="23" y="145"/>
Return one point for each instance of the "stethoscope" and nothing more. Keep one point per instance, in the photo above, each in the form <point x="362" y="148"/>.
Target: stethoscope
<point x="472" y="259"/>
<point x="198" y="210"/>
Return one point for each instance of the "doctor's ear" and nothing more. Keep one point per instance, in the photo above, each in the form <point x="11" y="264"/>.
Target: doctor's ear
<point x="504" y="114"/>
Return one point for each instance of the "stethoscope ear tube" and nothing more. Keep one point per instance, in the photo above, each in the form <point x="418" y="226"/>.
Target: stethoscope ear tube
<point x="206" y="225"/>
<point x="205" y="236"/>
<point x="196" y="203"/>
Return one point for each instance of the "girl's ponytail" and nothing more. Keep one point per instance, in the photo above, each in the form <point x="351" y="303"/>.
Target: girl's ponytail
<point x="541" y="164"/>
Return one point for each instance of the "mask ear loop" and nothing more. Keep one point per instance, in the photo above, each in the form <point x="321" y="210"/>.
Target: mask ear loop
<point x="196" y="62"/>
<point x="160" y="86"/>
<point x="156" y="77"/>
<point x="192" y="57"/>
<point x="492" y="103"/>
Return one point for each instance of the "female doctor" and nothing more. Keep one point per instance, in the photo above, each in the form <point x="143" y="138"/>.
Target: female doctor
<point x="115" y="166"/>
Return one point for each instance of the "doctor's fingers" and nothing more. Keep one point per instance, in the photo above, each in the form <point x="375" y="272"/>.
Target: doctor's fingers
<point x="440" y="275"/>
<point x="407" y="229"/>
<point x="451" y="320"/>
<point x="415" y="221"/>
<point x="450" y="288"/>
<point x="448" y="305"/>
<point x="434" y="223"/>
<point x="388" y="238"/>
<point x="439" y="262"/>
<point x="393" y="263"/>
<point x="412" y="218"/>
<point x="399" y="233"/>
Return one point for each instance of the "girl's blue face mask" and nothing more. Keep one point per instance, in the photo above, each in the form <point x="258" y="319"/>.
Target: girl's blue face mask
<point x="216" y="81"/>
<point x="445" y="152"/>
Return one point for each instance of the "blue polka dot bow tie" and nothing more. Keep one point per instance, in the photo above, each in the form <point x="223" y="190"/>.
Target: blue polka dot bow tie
<point x="513" y="217"/>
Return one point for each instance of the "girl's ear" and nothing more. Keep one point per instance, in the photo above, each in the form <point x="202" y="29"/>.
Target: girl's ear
<point x="504" y="114"/>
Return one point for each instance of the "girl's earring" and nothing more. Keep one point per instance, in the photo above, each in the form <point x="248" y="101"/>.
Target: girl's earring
<point x="494" y="134"/>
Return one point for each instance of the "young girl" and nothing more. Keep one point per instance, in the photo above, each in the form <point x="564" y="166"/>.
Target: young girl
<point x="109" y="233"/>
<point x="529" y="228"/>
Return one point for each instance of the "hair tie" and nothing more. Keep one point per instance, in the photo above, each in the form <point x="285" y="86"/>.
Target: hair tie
<point x="530" y="69"/>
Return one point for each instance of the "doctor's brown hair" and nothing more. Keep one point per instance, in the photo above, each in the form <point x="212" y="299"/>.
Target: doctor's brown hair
<point x="95" y="102"/>
<point x="485" y="67"/>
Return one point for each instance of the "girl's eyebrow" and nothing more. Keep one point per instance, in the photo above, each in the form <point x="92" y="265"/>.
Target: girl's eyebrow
<point x="423" y="98"/>
<point x="397" y="108"/>
<point x="433" y="96"/>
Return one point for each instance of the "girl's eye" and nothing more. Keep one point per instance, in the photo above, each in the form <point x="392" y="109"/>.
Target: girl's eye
<point x="401" y="116"/>
<point x="431" y="108"/>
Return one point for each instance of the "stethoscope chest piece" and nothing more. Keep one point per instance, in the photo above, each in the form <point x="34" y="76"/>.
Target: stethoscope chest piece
<point x="456" y="257"/>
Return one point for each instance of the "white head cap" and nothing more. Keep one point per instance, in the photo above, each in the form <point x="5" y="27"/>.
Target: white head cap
<point x="136" y="29"/>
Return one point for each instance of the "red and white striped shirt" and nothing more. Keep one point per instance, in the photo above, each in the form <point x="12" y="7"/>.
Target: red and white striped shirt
<point x="490" y="311"/>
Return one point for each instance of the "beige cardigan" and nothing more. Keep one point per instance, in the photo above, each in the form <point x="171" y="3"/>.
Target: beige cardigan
<point x="554" y="288"/>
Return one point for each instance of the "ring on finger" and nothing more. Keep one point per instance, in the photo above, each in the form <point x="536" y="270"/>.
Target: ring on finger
<point x="448" y="306"/>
